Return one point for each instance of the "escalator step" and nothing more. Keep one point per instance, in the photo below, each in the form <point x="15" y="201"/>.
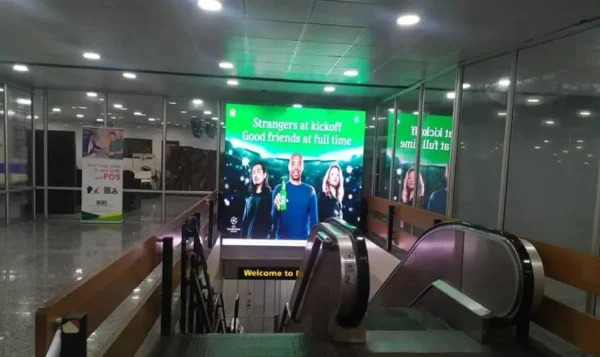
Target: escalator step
<point x="403" y="319"/>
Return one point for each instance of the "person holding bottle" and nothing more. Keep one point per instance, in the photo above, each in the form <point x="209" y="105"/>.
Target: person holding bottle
<point x="294" y="209"/>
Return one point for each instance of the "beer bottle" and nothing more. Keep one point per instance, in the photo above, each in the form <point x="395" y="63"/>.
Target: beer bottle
<point x="283" y="196"/>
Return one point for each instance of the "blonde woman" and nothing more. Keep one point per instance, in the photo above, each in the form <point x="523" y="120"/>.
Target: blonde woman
<point x="408" y="190"/>
<point x="330" y="200"/>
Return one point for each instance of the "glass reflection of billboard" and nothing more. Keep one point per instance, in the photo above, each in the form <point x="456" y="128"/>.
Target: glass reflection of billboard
<point x="288" y="168"/>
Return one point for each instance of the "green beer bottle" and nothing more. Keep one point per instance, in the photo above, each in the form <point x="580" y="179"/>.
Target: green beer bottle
<point x="283" y="196"/>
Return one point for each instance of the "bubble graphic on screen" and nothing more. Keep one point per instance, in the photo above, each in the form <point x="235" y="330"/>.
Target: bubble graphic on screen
<point x="232" y="112"/>
<point x="349" y="169"/>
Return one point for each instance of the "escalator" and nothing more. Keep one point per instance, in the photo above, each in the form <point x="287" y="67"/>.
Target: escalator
<point x="460" y="290"/>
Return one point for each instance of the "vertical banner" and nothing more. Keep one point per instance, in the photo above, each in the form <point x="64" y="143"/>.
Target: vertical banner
<point x="102" y="175"/>
<point x="288" y="168"/>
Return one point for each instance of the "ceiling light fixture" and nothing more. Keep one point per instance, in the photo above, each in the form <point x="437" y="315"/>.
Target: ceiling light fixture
<point x="80" y="115"/>
<point x="450" y="95"/>
<point x="329" y="89"/>
<point x="226" y="65"/>
<point x="207" y="112"/>
<point x="83" y="108"/>
<point x="151" y="119"/>
<point x="99" y="120"/>
<point x="549" y="122"/>
<point x="580" y="141"/>
<point x="408" y="20"/>
<point x="504" y="82"/>
<point x="533" y="100"/>
<point x="56" y="110"/>
<point x="546" y="141"/>
<point x="1" y="89"/>
<point x="537" y="147"/>
<point x="210" y="5"/>
<point x="139" y="114"/>
<point x="233" y="82"/>
<point x="585" y="113"/>
<point x="172" y="103"/>
<point x="91" y="56"/>
<point x="197" y="101"/>
<point x="23" y="101"/>
<point x="501" y="114"/>
<point x="351" y="73"/>
<point x="20" y="68"/>
<point x="129" y="75"/>
<point x="297" y="106"/>
<point x="215" y="118"/>
<point x="415" y="113"/>
<point x="118" y="106"/>
<point x="183" y="112"/>
<point x="391" y="110"/>
<point x="92" y="94"/>
<point x="466" y="85"/>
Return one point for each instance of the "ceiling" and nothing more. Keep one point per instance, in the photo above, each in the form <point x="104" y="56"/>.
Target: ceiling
<point x="308" y="40"/>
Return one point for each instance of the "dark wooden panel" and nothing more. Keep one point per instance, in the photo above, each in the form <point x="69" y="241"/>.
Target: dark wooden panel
<point x="574" y="326"/>
<point x="570" y="267"/>
<point x="379" y="204"/>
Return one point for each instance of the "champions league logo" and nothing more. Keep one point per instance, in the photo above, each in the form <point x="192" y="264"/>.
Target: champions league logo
<point x="234" y="228"/>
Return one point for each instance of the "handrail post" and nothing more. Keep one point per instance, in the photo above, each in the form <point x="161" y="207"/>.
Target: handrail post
<point x="167" y="287"/>
<point x="211" y="222"/>
<point x="184" y="280"/>
<point x="73" y="337"/>
<point x="390" y="232"/>
<point x="236" y="311"/>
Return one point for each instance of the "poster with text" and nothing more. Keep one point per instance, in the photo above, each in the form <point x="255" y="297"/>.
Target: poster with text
<point x="288" y="168"/>
<point x="436" y="134"/>
<point x="102" y="175"/>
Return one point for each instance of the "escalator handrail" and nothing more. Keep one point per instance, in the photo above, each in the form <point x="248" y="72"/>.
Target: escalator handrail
<point x="522" y="309"/>
<point x="363" y="278"/>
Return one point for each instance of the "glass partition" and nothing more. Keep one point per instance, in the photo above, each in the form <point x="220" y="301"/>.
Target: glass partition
<point x="481" y="137"/>
<point x="436" y="141"/>
<point x="407" y="189"/>
<point x="383" y="147"/>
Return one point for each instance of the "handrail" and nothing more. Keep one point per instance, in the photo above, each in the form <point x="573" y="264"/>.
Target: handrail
<point x="101" y="293"/>
<point x="455" y="294"/>
<point x="562" y="264"/>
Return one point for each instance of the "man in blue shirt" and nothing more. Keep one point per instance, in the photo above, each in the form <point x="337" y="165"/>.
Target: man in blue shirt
<point x="437" y="200"/>
<point x="301" y="211"/>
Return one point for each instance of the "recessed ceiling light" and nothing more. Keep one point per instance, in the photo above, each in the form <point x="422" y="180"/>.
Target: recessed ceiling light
<point x="585" y="113"/>
<point x="210" y="5"/>
<point x="92" y="94"/>
<point x="183" y="112"/>
<point x="151" y="119"/>
<point x="391" y="110"/>
<point x="579" y="141"/>
<point x="226" y="65"/>
<point x="466" y="85"/>
<point x="10" y="112"/>
<point x="92" y="56"/>
<point x="537" y="147"/>
<point x="546" y="141"/>
<point x="565" y="151"/>
<point x="297" y="106"/>
<point x="408" y="20"/>
<point x="533" y="100"/>
<point x="1" y="89"/>
<point x="83" y="108"/>
<point x="579" y="147"/>
<point x="215" y="118"/>
<point x="56" y="110"/>
<point x="549" y="122"/>
<point x="590" y="155"/>
<point x="351" y="73"/>
<point x="139" y="114"/>
<point x="123" y="108"/>
<point x="99" y="120"/>
<point x="232" y="82"/>
<point x="450" y="95"/>
<point x="504" y="82"/>
<point x="501" y="114"/>
<point x="35" y="117"/>
<point x="74" y="107"/>
<point x="415" y="113"/>
<point x="329" y="89"/>
<point x="129" y="75"/>
<point x="197" y="101"/>
<point x="80" y="115"/>
<point x="172" y="103"/>
<point x="101" y="99"/>
<point x="20" y="68"/>
<point x="29" y="117"/>
<point x="118" y="106"/>
<point x="23" y="101"/>
<point x="207" y="112"/>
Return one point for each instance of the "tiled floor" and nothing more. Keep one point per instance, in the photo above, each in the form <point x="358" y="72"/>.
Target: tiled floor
<point x="40" y="260"/>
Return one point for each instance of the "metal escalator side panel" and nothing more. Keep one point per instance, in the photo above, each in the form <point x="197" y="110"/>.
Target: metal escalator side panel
<point x="482" y="264"/>
<point x="538" y="274"/>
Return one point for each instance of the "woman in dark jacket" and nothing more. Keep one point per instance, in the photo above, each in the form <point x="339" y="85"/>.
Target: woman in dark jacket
<point x="330" y="200"/>
<point x="256" y="222"/>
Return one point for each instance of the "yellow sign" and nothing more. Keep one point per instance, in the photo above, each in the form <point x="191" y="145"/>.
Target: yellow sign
<point x="273" y="273"/>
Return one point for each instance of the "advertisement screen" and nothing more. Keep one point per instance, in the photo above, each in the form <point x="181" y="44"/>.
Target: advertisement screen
<point x="435" y="156"/>
<point x="287" y="168"/>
